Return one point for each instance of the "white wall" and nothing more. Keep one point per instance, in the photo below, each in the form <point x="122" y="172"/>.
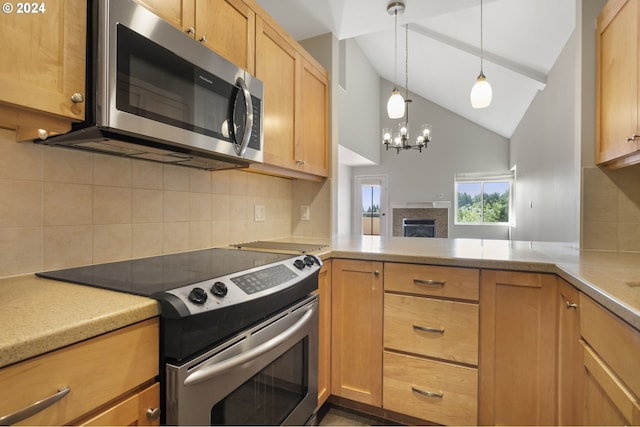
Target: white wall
<point x="458" y="145"/>
<point x="358" y="104"/>
<point x="543" y="150"/>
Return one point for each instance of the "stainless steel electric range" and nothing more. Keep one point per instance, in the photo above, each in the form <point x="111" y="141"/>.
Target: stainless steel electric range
<point x="239" y="331"/>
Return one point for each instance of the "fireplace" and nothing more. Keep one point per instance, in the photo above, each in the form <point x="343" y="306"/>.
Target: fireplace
<point x="418" y="227"/>
<point x="426" y="219"/>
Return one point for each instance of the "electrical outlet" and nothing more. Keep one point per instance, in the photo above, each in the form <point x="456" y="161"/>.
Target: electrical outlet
<point x="304" y="212"/>
<point x="260" y="213"/>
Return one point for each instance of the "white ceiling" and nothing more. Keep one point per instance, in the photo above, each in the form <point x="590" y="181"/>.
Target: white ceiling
<point x="522" y="40"/>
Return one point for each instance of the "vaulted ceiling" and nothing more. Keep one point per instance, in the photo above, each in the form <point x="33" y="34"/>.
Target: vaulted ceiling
<point x="522" y="40"/>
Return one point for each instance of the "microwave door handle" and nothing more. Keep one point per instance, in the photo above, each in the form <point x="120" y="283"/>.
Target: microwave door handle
<point x="209" y="371"/>
<point x="241" y="146"/>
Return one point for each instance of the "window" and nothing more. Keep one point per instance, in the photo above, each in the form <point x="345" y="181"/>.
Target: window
<point x="483" y="198"/>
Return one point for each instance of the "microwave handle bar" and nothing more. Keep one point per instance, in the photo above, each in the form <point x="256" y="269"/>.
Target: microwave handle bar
<point x="241" y="146"/>
<point x="210" y="371"/>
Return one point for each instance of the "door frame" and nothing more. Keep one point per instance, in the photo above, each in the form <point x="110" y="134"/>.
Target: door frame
<point x="359" y="181"/>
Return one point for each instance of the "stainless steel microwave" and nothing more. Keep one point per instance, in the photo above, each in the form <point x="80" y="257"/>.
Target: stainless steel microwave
<point x="154" y="93"/>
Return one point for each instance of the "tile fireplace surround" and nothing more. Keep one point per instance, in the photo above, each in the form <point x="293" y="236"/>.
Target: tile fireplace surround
<point x="438" y="211"/>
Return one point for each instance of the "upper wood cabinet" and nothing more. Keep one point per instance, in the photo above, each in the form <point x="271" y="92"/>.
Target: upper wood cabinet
<point x="517" y="366"/>
<point x="296" y="86"/>
<point x="356" y="331"/>
<point x="617" y="98"/>
<point x="296" y="100"/>
<point x="43" y="66"/>
<point x="225" y="26"/>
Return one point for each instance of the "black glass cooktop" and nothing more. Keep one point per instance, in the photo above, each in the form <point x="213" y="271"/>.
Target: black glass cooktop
<point x="147" y="276"/>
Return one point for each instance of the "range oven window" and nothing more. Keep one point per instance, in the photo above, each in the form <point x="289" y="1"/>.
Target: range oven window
<point x="271" y="395"/>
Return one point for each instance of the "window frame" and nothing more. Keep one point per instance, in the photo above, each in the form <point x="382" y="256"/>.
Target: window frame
<point x="483" y="178"/>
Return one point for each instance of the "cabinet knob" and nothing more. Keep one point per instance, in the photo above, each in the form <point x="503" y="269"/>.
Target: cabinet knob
<point x="571" y="305"/>
<point x="43" y="134"/>
<point x="77" y="98"/>
<point x="203" y="39"/>
<point x="190" y="30"/>
<point x="153" y="414"/>
<point x="376" y="273"/>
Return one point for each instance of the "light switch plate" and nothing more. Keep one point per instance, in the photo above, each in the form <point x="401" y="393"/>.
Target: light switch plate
<point x="304" y="212"/>
<point x="260" y="213"/>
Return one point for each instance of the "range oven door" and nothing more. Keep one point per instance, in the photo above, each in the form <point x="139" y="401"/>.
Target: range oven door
<point x="267" y="375"/>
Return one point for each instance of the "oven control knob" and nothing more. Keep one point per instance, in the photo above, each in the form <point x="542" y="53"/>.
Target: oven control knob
<point x="219" y="289"/>
<point x="309" y="260"/>
<point x="299" y="264"/>
<point x="198" y="296"/>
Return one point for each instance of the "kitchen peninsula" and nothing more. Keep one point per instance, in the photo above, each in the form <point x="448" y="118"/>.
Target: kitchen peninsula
<point x="608" y="279"/>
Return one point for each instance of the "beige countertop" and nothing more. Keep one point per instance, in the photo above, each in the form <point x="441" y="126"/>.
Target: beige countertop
<point x="610" y="278"/>
<point x="39" y="315"/>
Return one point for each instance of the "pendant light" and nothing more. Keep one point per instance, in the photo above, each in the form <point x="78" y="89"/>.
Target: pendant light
<point x="395" y="104"/>
<point x="481" y="92"/>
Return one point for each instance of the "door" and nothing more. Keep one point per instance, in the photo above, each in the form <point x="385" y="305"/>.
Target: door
<point x="371" y="205"/>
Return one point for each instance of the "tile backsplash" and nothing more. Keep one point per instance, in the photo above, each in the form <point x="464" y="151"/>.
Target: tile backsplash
<point x="62" y="208"/>
<point x="611" y="209"/>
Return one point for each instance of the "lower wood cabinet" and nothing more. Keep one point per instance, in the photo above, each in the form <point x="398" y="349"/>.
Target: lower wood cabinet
<point x="324" y="334"/>
<point x="518" y="322"/>
<point x="356" y="331"/>
<point x="429" y="389"/>
<point x="431" y="343"/>
<point x="140" y="409"/>
<point x="611" y="376"/>
<point x="110" y="380"/>
<point x="570" y="387"/>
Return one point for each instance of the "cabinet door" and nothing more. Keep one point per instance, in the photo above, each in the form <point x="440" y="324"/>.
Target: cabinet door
<point x="517" y="348"/>
<point x="607" y="402"/>
<point x="312" y="148"/>
<point x="276" y="66"/>
<point x="324" y="340"/>
<point x="356" y="331"/>
<point x="141" y="409"/>
<point x="228" y="27"/>
<point x="43" y="58"/>
<point x="569" y="357"/>
<point x="179" y="13"/>
<point x="617" y="83"/>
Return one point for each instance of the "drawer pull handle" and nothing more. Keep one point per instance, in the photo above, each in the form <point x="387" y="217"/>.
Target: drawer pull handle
<point x="428" y="329"/>
<point x="571" y="305"/>
<point x="34" y="408"/>
<point x="428" y="282"/>
<point x="438" y="395"/>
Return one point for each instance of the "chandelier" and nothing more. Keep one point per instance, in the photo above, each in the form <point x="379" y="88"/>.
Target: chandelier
<point x="401" y="139"/>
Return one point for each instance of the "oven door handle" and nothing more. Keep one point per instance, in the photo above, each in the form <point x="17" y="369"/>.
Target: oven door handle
<point x="207" y="372"/>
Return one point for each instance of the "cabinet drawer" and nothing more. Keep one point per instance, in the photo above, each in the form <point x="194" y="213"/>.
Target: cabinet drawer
<point x="437" y="328"/>
<point x="96" y="371"/>
<point x="449" y="282"/>
<point x="407" y="380"/>
<point x="613" y="340"/>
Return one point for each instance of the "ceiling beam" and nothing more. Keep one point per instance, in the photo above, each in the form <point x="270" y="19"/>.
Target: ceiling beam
<point x="528" y="72"/>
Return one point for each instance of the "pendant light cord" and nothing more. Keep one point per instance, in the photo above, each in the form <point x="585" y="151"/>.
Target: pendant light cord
<point x="406" y="61"/>
<point x="481" y="42"/>
<point x="395" y="57"/>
